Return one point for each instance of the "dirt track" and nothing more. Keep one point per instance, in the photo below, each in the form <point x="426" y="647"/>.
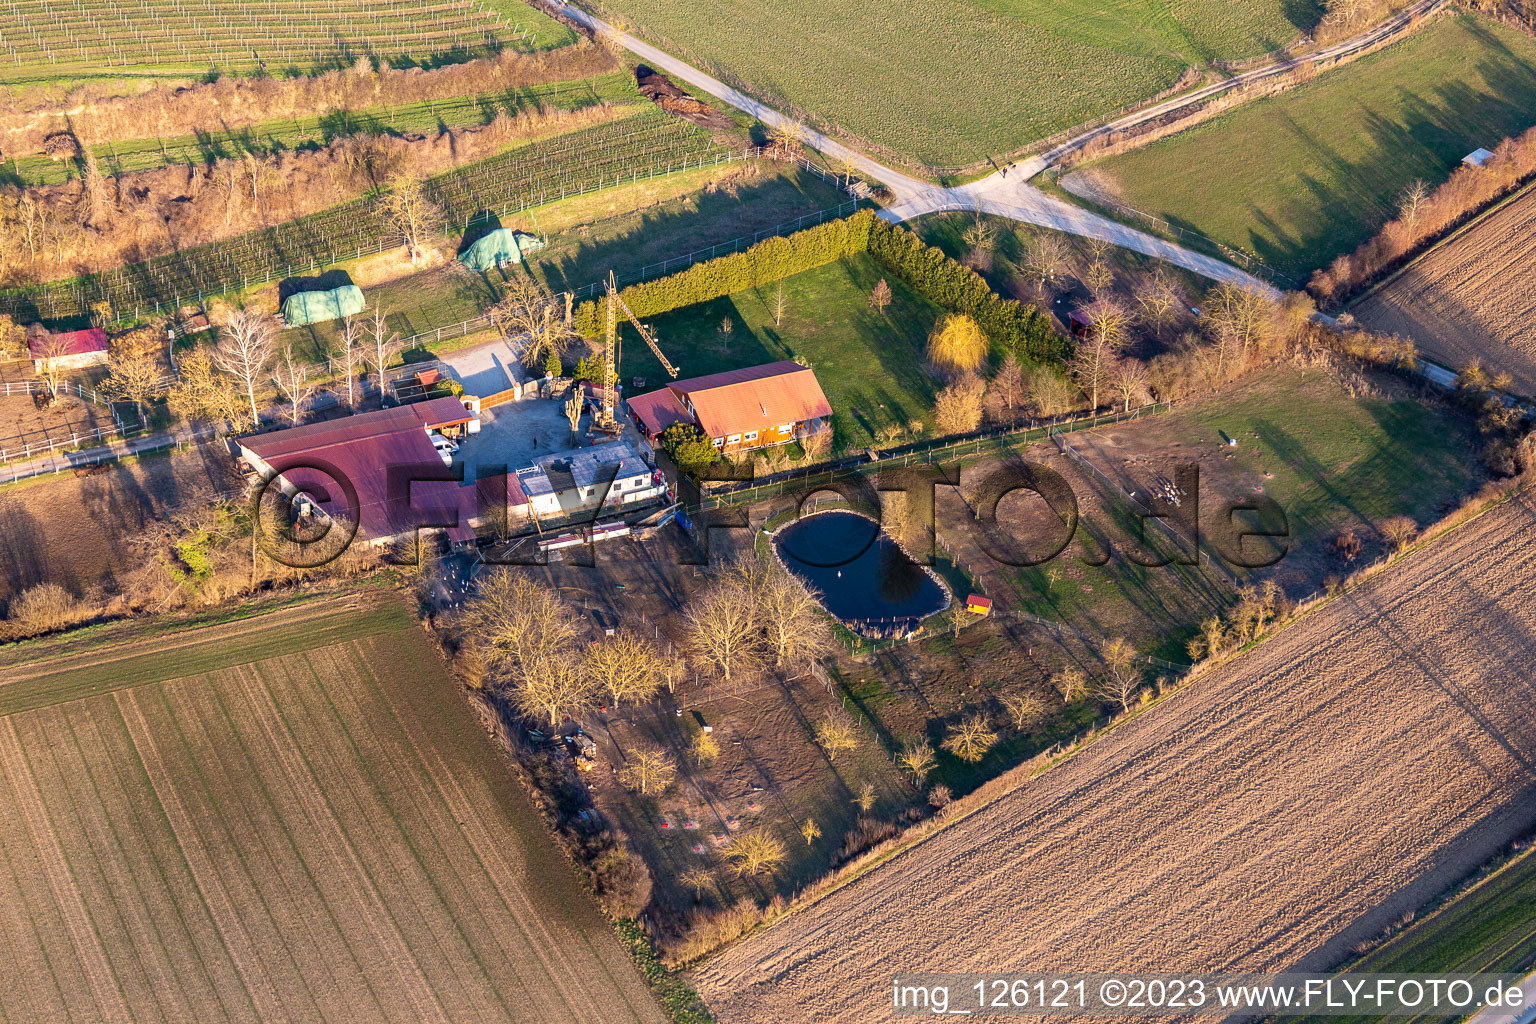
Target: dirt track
<point x="1472" y="298"/>
<point x="1273" y="814"/>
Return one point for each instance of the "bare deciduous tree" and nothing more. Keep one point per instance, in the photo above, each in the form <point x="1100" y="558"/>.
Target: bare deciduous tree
<point x="836" y="735"/>
<point x="810" y="831"/>
<point x="1023" y="709"/>
<point x="626" y="665"/>
<point x="780" y="304"/>
<point x="383" y="345"/>
<point x="552" y="689"/>
<point x="970" y="738"/>
<point x="1122" y="680"/>
<point x="202" y="392"/>
<point x="958" y="408"/>
<point x="1046" y="256"/>
<point x="793" y="625"/>
<point x="292" y="379"/>
<point x="918" y="758"/>
<point x="135" y="377"/>
<point x="649" y="770"/>
<point x="1096" y="352"/>
<point x="721" y="627"/>
<point x="880" y="298"/>
<point x="1239" y="313"/>
<point x="529" y="311"/>
<point x="1128" y="382"/>
<point x="754" y="853"/>
<point x="348" y="352"/>
<point x="522" y="627"/>
<point x="1071" y="683"/>
<point x="1007" y="392"/>
<point x="244" y="352"/>
<point x="413" y="214"/>
<point x="1098" y="277"/>
<point x="1399" y="531"/>
<point x="1156" y="302"/>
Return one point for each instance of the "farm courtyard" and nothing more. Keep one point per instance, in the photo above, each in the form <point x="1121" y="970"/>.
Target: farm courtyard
<point x="283" y="817"/>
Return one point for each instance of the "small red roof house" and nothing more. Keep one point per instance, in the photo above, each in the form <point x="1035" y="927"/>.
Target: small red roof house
<point x="739" y="409"/>
<point x="1080" y="322"/>
<point x="379" y="468"/>
<point x="68" y="349"/>
<point x="976" y="604"/>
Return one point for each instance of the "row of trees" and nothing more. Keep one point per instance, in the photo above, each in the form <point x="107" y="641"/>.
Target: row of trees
<point x="1424" y="214"/>
<point x="232" y="380"/>
<point x="531" y="640"/>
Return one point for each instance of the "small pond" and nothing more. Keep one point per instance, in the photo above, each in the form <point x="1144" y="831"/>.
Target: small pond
<point x="862" y="575"/>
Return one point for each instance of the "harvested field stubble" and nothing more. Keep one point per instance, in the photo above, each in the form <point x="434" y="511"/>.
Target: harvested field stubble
<point x="313" y="830"/>
<point x="1272" y="815"/>
<point x="1472" y="298"/>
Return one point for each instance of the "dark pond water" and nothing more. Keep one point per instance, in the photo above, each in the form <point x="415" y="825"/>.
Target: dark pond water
<point x="863" y="576"/>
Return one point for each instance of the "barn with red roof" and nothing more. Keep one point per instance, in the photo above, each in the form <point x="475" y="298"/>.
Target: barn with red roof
<point x="753" y="407"/>
<point x="72" y="350"/>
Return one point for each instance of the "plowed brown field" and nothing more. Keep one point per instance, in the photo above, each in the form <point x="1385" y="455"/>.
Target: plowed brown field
<point x="1272" y="814"/>
<point x="1472" y="298"/>
<point x="315" y="829"/>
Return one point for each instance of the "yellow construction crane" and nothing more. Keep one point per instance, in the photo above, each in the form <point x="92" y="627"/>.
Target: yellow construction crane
<point x="611" y="349"/>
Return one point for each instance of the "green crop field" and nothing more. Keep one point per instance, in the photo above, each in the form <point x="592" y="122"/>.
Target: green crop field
<point x="869" y="364"/>
<point x="1486" y="929"/>
<point x="949" y="84"/>
<point x="288" y="817"/>
<point x="45" y="40"/>
<point x="1307" y="175"/>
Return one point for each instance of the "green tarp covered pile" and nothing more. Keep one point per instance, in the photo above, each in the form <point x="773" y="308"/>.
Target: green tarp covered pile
<point x="314" y="307"/>
<point x="500" y="246"/>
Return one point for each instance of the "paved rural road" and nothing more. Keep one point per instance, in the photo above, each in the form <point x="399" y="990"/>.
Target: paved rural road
<point x="996" y="194"/>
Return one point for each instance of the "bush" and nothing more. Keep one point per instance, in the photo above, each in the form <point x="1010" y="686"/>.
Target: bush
<point x="623" y="882"/>
<point x="689" y="448"/>
<point x="1018" y="327"/>
<point x="44" y="608"/>
<point x="866" y="833"/>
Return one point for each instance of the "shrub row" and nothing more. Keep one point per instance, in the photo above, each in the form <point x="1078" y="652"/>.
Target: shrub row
<point x="1015" y="326"/>
<point x="1468" y="190"/>
<point x="772" y="259"/>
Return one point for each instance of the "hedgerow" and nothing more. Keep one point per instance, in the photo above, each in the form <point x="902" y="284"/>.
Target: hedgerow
<point x="1011" y="325"/>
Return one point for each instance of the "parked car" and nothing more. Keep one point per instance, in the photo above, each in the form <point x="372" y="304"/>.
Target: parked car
<point x="446" y="448"/>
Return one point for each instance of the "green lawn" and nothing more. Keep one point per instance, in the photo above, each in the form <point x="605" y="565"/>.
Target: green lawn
<point x="1332" y="460"/>
<point x="869" y="364"/>
<point x="1307" y="175"/>
<point x="950" y="84"/>
<point x="306" y="133"/>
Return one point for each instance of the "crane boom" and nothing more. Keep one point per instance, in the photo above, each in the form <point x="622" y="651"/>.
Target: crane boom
<point x="615" y="299"/>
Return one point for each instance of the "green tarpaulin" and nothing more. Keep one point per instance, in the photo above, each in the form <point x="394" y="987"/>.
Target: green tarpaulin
<point x="500" y="246"/>
<point x="313" y="307"/>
